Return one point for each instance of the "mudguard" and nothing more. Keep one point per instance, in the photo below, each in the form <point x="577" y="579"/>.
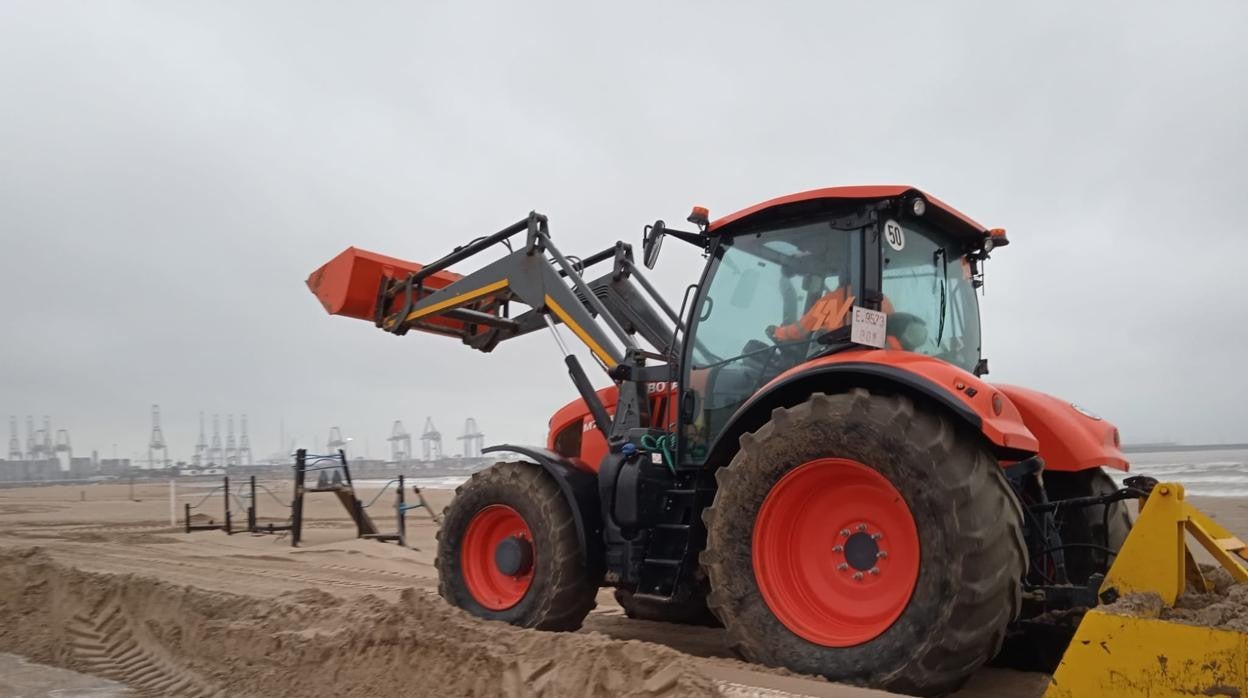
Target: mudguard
<point x="969" y="399"/>
<point x="1071" y="438"/>
<point x="580" y="489"/>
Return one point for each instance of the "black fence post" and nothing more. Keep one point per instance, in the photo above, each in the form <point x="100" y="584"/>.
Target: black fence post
<point x="188" y="516"/>
<point x="251" y="509"/>
<point x="228" y="531"/>
<point x="400" y="513"/>
<point x="346" y="470"/>
<point x="296" y="505"/>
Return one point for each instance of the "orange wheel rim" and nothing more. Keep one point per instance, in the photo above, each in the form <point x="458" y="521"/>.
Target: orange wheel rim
<point x="496" y="581"/>
<point x="835" y="552"/>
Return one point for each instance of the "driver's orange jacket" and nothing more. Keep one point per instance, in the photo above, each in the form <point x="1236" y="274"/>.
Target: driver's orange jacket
<point x="830" y="312"/>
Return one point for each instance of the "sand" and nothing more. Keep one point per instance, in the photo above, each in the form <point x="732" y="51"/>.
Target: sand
<point x="1224" y="607"/>
<point x="94" y="582"/>
<point x="177" y="640"/>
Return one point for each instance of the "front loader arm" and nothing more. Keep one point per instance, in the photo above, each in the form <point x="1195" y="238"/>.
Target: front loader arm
<point x="603" y="314"/>
<point x="623" y="298"/>
<point x="523" y="276"/>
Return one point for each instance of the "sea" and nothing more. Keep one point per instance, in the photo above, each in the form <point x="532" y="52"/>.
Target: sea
<point x="439" y="482"/>
<point x="1202" y="473"/>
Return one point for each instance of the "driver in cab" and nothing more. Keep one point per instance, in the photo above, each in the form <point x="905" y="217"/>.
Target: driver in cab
<point x="831" y="311"/>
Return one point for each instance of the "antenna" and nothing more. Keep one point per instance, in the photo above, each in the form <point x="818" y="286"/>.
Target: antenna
<point x="244" y="444"/>
<point x="400" y="443"/>
<point x="431" y="441"/>
<point x="45" y="437"/>
<point x="30" y="438"/>
<point x="62" y="446"/>
<point x="214" y="451"/>
<point x="15" y="446"/>
<point x="157" y="442"/>
<point x="335" y="440"/>
<point x="473" y="439"/>
<point x="201" y="446"/>
<point x="231" y="447"/>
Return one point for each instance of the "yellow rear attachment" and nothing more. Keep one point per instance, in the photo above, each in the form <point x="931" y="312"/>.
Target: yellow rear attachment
<point x="1169" y="626"/>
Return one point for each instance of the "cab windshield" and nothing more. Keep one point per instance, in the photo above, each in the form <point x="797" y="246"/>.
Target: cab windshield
<point x="770" y="296"/>
<point x="930" y="297"/>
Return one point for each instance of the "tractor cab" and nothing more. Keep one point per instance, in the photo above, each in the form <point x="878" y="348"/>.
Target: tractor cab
<point x="784" y="279"/>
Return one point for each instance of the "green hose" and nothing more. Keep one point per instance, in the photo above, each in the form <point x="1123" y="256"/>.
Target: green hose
<point x="665" y="445"/>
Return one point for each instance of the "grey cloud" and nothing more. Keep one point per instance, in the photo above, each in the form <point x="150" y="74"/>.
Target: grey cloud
<point x="170" y="173"/>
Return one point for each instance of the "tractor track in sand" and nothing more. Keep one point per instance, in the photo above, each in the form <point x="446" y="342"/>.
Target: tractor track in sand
<point x="105" y="643"/>
<point x="167" y="639"/>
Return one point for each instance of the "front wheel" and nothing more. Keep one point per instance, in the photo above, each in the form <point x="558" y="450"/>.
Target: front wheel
<point x="508" y="550"/>
<point x="867" y="539"/>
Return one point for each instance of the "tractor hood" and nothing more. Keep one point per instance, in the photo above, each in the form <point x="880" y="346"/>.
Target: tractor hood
<point x="1071" y="438"/>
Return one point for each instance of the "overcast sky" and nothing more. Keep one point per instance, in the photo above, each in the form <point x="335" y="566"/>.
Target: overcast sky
<point x="170" y="173"/>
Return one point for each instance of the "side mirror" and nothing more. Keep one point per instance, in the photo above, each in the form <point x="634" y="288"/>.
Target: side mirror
<point x="652" y="242"/>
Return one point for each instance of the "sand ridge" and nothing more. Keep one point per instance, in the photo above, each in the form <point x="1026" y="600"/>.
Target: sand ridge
<point x="168" y="640"/>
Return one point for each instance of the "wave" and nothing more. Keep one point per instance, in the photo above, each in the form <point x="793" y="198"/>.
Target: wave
<point x="445" y="482"/>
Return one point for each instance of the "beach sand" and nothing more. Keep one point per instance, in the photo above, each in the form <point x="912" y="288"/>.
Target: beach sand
<point x="95" y="582"/>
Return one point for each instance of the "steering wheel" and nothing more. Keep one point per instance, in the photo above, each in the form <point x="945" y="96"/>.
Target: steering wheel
<point x="909" y="330"/>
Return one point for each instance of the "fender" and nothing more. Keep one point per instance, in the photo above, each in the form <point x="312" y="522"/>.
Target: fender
<point x="579" y="487"/>
<point x="1071" y="438"/>
<point x="970" y="400"/>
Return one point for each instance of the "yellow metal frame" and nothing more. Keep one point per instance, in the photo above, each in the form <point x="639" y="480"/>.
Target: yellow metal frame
<point x="1125" y="656"/>
<point x="1120" y="655"/>
<point x="455" y="300"/>
<point x="1155" y="558"/>
<point x="603" y="355"/>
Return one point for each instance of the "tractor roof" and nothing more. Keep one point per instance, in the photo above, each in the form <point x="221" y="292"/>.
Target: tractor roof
<point x="956" y="218"/>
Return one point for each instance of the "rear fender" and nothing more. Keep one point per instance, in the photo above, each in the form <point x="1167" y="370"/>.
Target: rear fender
<point x="1071" y="438"/>
<point x="968" y="399"/>
<point x="580" y="489"/>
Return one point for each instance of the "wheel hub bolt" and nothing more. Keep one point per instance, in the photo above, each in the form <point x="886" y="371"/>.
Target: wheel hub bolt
<point x="882" y="554"/>
<point x="845" y="533"/>
<point x="857" y="576"/>
<point x="862" y="527"/>
<point x="843" y="566"/>
<point x="875" y="570"/>
<point x="876" y="536"/>
<point x="838" y="548"/>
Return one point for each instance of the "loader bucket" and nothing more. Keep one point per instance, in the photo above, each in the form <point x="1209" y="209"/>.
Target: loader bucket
<point x="1139" y="644"/>
<point x="349" y="285"/>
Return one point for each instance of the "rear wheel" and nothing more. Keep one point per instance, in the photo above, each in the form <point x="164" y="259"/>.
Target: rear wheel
<point x="867" y="539"/>
<point x="508" y="550"/>
<point x="1090" y="529"/>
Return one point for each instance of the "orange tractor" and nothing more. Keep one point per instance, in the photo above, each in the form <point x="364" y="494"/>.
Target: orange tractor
<point x="805" y="452"/>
